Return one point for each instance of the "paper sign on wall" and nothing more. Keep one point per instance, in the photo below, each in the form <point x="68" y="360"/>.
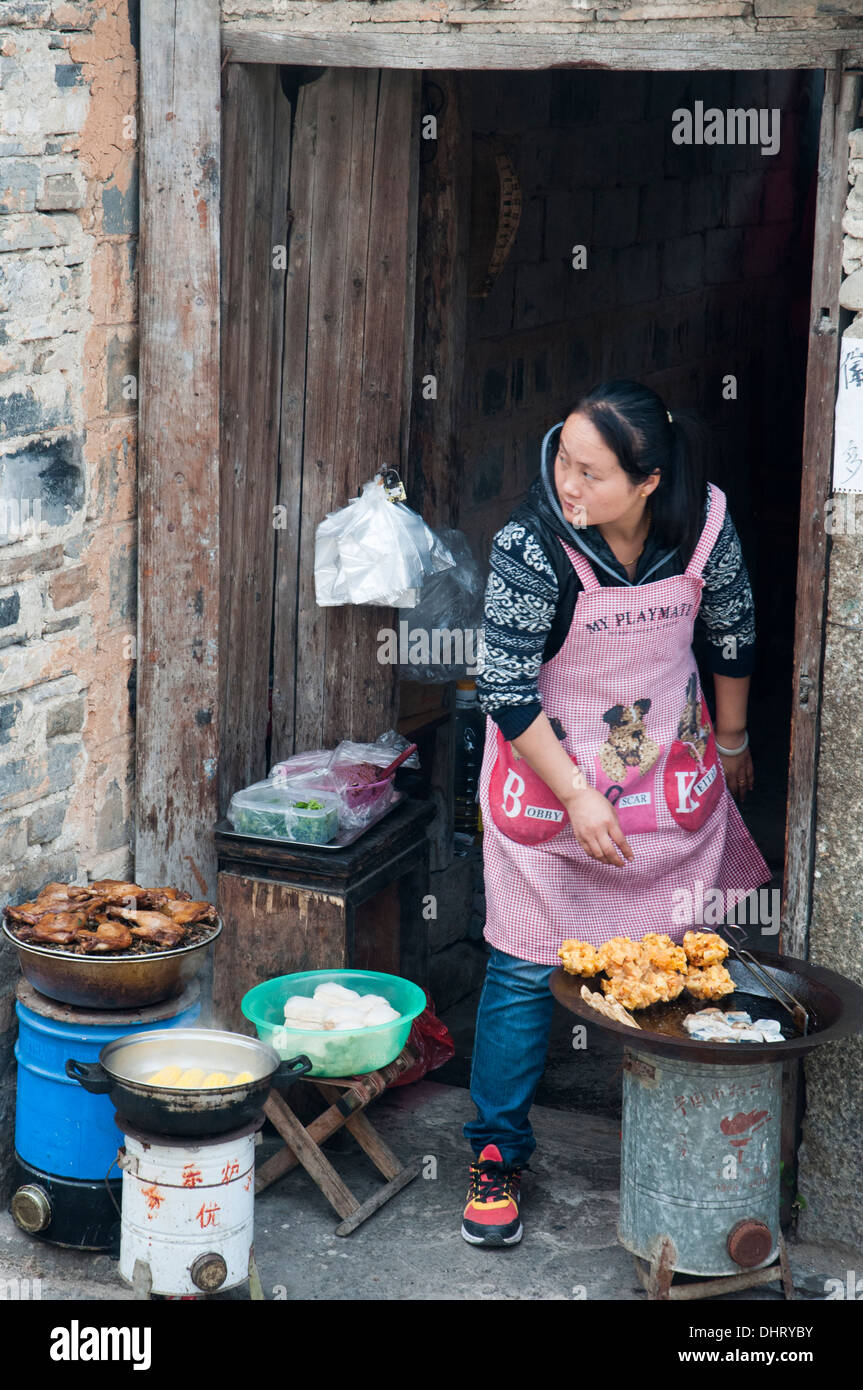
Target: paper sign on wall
<point x="848" y="442"/>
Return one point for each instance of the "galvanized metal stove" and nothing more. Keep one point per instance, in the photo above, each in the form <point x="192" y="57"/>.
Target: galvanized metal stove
<point x="699" y="1186"/>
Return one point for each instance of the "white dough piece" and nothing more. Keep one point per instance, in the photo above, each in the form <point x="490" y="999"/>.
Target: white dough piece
<point x="332" y="993"/>
<point x="300" y="1007"/>
<point x="306" y="1025"/>
<point x="371" y="1001"/>
<point x="340" y="1016"/>
<point x="381" y="1013"/>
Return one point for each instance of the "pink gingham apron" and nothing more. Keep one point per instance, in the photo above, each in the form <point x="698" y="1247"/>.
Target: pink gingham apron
<point x="625" y="688"/>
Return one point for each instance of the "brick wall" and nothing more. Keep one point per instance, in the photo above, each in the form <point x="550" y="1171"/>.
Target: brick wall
<point x="68" y="412"/>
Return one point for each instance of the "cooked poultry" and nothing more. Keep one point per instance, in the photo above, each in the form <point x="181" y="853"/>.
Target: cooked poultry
<point x="184" y="914"/>
<point x="110" y="916"/>
<point x="108" y="936"/>
<point x="138" y="917"/>
<point x="579" y="958"/>
<point x="28" y="914"/>
<point x="118" y="888"/>
<point x="713" y="982"/>
<point x="704" y="948"/>
<point x="150" y="926"/>
<point x="663" y="953"/>
<point x="55" y="928"/>
<point x="155" y="899"/>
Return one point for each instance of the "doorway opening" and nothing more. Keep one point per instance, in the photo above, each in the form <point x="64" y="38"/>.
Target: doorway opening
<point x="697" y="281"/>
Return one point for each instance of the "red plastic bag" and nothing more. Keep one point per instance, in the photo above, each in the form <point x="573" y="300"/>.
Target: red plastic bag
<point x="430" y="1042"/>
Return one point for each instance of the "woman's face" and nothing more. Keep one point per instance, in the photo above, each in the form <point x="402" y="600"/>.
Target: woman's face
<point x="590" y="482"/>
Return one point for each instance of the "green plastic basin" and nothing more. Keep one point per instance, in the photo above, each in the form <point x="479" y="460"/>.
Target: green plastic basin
<point x="337" y="1051"/>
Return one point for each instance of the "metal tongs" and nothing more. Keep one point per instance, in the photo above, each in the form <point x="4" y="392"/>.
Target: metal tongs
<point x="788" y="1001"/>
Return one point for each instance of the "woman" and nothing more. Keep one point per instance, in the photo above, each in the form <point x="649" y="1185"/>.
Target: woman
<point x="605" y="791"/>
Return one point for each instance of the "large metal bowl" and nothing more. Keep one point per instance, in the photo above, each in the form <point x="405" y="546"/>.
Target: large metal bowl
<point x="124" y="1065"/>
<point x="111" y="982"/>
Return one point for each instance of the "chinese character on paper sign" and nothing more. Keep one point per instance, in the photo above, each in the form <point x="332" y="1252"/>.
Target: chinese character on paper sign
<point x="154" y="1199"/>
<point x="848" y="419"/>
<point x="852" y="370"/>
<point x="192" y="1176"/>
<point x="207" y="1215"/>
<point x="230" y="1170"/>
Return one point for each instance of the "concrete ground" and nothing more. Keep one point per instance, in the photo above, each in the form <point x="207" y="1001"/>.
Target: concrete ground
<point x="411" y="1249"/>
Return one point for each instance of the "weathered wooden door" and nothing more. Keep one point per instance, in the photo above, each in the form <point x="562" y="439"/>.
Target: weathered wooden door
<point x="318" y="301"/>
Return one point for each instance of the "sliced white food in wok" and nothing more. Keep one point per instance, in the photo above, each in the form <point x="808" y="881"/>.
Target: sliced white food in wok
<point x="332" y="993"/>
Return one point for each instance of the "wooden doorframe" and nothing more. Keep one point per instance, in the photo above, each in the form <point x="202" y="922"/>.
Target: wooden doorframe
<point x="177" y="734"/>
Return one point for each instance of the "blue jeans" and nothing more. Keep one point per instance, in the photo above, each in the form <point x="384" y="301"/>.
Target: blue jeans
<point x="513" y="1023"/>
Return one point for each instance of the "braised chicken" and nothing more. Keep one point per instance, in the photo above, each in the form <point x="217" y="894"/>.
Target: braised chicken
<point x="183" y="914"/>
<point x="111" y="916"/>
<point x="150" y="926"/>
<point x="108" y="936"/>
<point x="55" y="929"/>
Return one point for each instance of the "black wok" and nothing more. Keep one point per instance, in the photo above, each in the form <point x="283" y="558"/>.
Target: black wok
<point x="124" y="1065"/>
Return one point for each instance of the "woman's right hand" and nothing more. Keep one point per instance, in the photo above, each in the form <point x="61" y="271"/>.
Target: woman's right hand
<point x="596" y="827"/>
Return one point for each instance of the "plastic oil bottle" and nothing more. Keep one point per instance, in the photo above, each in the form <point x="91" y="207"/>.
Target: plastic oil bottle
<point x="469" y="743"/>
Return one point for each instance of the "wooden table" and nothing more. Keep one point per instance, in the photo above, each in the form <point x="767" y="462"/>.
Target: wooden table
<point x="288" y="907"/>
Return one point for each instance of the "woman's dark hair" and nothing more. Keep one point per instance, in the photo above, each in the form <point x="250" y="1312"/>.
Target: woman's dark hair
<point x="633" y="421"/>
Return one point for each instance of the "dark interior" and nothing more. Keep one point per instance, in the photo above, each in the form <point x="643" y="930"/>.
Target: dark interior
<point x="699" y="270"/>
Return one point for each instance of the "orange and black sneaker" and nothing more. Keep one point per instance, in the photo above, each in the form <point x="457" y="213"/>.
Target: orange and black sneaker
<point x="491" y="1215"/>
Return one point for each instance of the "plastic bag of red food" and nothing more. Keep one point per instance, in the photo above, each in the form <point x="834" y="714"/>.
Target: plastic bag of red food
<point x="349" y="772"/>
<point x="430" y="1042"/>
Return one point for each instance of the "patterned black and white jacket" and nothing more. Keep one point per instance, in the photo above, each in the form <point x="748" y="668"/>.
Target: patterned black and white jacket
<point x="532" y="588"/>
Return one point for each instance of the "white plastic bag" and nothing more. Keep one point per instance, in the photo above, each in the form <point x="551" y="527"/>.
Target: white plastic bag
<point x="375" y="551"/>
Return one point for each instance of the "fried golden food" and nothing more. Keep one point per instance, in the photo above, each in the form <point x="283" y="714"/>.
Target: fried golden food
<point x="579" y="958"/>
<point x="712" y="982"/>
<point x="663" y="953"/>
<point x="704" y="948"/>
<point x="638" y="987"/>
<point x="619" y="951"/>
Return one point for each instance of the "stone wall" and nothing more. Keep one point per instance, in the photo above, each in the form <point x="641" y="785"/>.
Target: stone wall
<point x="831" y="1156"/>
<point x="68" y="414"/>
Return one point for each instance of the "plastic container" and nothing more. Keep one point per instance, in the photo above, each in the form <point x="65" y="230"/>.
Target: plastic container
<point x="336" y="1051"/>
<point x="276" y="812"/>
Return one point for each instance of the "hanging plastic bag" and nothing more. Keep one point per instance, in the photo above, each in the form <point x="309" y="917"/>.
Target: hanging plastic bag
<point x="444" y="633"/>
<point x="375" y="550"/>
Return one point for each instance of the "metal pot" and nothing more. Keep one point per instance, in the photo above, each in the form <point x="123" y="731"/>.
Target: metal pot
<point x="111" y="982"/>
<point x="124" y="1064"/>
